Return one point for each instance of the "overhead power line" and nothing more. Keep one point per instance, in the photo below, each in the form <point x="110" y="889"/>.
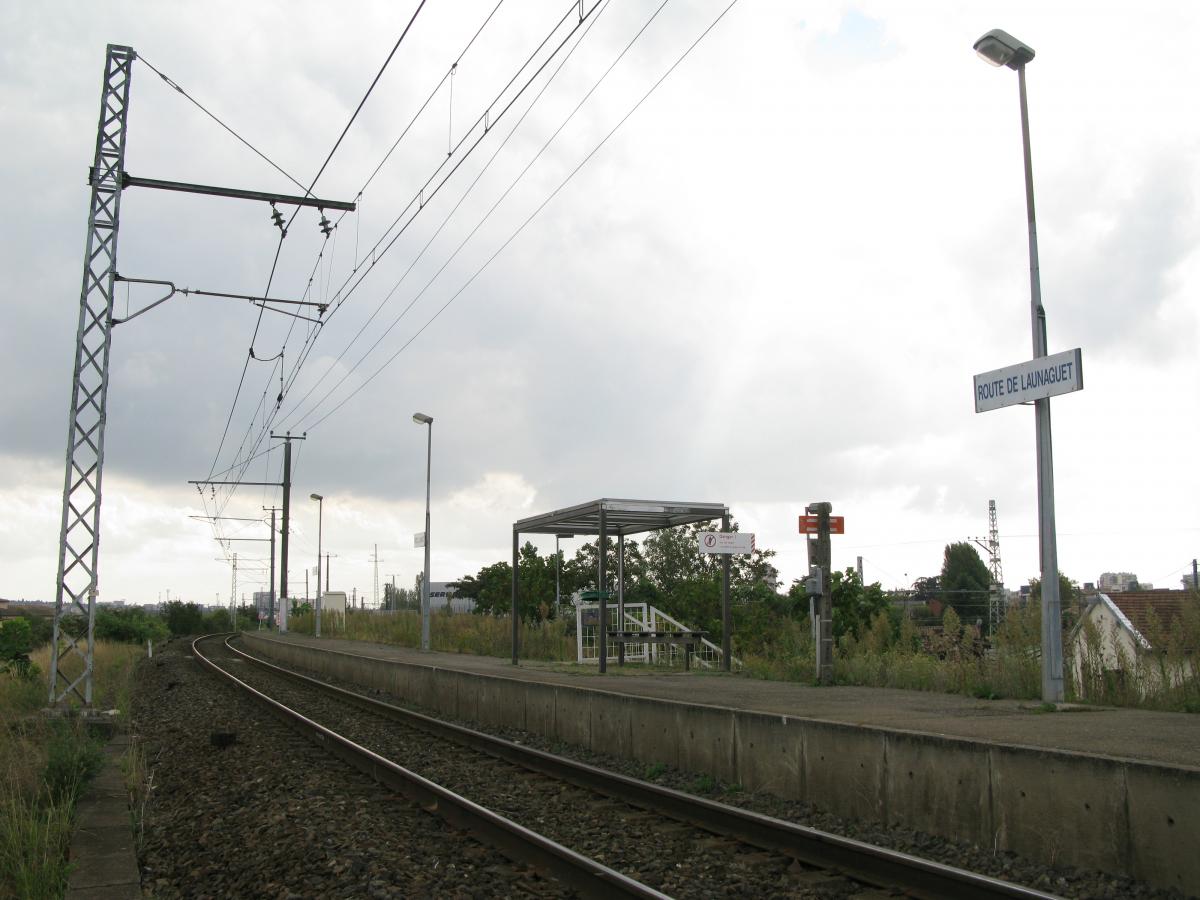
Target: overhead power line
<point x="591" y="154"/>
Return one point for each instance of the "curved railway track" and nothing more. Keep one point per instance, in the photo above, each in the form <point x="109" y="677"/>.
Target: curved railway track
<point x="629" y="837"/>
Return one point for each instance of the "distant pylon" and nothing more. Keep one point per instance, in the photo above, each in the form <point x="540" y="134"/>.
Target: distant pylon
<point x="996" y="601"/>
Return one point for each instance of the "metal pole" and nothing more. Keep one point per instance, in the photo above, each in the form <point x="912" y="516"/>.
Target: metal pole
<point x="516" y="608"/>
<point x="557" y="589"/>
<point x="726" y="612"/>
<point x="320" y="522"/>
<point x="1052" y="663"/>
<point x="283" y="537"/>
<point x="425" y="582"/>
<point x="271" y="589"/>
<point x="621" y="596"/>
<point x="77" y="581"/>
<point x="602" y="637"/>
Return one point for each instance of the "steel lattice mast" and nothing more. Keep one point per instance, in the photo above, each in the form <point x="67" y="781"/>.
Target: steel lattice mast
<point x="996" y="606"/>
<point x="79" y="537"/>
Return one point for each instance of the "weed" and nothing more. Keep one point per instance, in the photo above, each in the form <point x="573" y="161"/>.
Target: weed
<point x="655" y="771"/>
<point x="704" y="784"/>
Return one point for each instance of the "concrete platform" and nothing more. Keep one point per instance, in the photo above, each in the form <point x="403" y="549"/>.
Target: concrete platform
<point x="1132" y="734"/>
<point x="1111" y="789"/>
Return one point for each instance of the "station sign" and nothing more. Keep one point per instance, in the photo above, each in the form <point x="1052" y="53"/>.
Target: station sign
<point x="1046" y="376"/>
<point x="809" y="524"/>
<point x="419" y="539"/>
<point x="726" y="542"/>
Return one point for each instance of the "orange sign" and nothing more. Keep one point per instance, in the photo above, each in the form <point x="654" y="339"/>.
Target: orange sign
<point x="808" y="524"/>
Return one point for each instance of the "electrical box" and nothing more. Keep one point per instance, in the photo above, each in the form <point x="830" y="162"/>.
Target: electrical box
<point x="814" y="585"/>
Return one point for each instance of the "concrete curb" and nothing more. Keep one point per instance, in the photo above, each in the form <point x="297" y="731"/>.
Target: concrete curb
<point x="103" y="855"/>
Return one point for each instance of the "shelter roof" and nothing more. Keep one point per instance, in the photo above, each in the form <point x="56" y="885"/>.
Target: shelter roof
<point x="620" y="517"/>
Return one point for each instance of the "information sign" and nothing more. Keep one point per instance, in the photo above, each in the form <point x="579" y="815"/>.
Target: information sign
<point x="1046" y="376"/>
<point x="726" y="542"/>
<point x="419" y="539"/>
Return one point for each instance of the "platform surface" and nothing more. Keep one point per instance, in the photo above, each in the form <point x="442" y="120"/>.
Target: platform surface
<point x="1155" y="737"/>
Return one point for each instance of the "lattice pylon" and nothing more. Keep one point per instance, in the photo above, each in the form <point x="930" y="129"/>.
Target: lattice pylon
<point x="79" y="537"/>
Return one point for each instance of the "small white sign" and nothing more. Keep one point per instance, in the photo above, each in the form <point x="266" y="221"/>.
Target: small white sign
<point x="419" y="539"/>
<point x="1046" y="376"/>
<point x="726" y="542"/>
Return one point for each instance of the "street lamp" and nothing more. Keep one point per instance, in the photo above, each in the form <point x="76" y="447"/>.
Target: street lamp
<point x="998" y="48"/>
<point x="320" y="510"/>
<point x="557" y="555"/>
<point x="422" y="419"/>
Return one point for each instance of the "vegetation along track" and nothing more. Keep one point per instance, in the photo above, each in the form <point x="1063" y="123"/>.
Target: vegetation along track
<point x="682" y="845"/>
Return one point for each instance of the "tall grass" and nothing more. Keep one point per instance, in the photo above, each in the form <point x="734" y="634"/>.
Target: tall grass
<point x="44" y="765"/>
<point x="548" y="641"/>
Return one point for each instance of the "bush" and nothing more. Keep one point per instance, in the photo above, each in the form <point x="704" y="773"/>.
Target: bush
<point x="183" y="618"/>
<point x="131" y="625"/>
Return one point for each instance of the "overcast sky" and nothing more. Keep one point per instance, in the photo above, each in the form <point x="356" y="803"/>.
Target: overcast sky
<point x="771" y="285"/>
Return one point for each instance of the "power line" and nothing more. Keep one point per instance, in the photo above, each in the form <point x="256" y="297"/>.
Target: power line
<point x="487" y="123"/>
<point x="172" y="83"/>
<point x="532" y="215"/>
<point x="451" y="213"/>
<point x="283" y="230"/>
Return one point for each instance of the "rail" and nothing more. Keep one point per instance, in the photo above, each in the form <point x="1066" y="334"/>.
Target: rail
<point x="879" y="866"/>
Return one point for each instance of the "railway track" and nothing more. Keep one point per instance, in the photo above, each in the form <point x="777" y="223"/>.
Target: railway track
<point x="598" y="832"/>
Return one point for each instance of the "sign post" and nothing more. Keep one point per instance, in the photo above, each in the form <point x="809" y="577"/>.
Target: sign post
<point x="726" y="542"/>
<point x="1035" y="382"/>
<point x="818" y="522"/>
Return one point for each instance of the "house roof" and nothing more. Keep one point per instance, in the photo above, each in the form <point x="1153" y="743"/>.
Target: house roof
<point x="1135" y="606"/>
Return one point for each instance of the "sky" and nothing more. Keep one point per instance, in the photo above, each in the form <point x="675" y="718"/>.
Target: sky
<point x="762" y="272"/>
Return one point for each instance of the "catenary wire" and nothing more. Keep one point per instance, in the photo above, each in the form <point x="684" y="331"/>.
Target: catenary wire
<point x="446" y="219"/>
<point x="310" y="341"/>
<point x="530" y="218"/>
<point x="283" y="232"/>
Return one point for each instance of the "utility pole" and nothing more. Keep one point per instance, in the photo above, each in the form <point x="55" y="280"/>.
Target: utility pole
<point x="283" y="537"/>
<point x="77" y="580"/>
<point x="376" y="560"/>
<point x="233" y="597"/>
<point x="395" y="594"/>
<point x="820" y="557"/>
<point x="271" y="588"/>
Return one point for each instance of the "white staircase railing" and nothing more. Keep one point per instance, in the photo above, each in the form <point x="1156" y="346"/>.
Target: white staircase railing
<point x="639" y="617"/>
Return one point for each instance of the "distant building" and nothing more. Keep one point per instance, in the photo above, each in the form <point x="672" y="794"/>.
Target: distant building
<point x="1123" y="640"/>
<point x="444" y="597"/>
<point x="262" y="603"/>
<point x="1111" y="582"/>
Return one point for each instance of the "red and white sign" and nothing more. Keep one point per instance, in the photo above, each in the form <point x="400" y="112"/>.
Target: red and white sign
<point x="726" y="542"/>
<point x="808" y="524"/>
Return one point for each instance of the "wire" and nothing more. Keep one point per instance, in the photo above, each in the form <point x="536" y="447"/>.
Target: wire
<point x="293" y="411"/>
<point x="172" y="83"/>
<point x="531" y="216"/>
<point x="310" y="341"/>
<point x="283" y="233"/>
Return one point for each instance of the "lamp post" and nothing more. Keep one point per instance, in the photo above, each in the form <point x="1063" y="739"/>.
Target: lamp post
<point x="422" y="419"/>
<point x="998" y="48"/>
<point x="320" y="510"/>
<point x="557" y="557"/>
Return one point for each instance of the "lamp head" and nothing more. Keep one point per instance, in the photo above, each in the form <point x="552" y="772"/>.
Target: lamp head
<point x="422" y="419"/>
<point x="999" y="48"/>
<point x="315" y="497"/>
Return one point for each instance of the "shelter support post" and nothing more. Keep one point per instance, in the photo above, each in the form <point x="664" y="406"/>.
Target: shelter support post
<point x="726" y="613"/>
<point x="621" y="596"/>
<point x="516" y="609"/>
<point x="602" y="636"/>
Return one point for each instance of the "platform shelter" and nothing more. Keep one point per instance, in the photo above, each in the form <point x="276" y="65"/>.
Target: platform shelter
<point x="607" y="517"/>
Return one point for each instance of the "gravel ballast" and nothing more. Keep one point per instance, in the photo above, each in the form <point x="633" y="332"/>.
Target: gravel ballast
<point x="1062" y="880"/>
<point x="241" y="806"/>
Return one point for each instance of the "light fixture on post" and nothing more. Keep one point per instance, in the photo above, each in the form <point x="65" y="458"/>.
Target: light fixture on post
<point x="999" y="48"/>
<point x="422" y="419"/>
<point x="320" y="511"/>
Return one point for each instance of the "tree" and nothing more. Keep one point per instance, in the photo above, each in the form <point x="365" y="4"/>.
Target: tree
<point x="966" y="582"/>
<point x="183" y="618"/>
<point x="854" y="606"/>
